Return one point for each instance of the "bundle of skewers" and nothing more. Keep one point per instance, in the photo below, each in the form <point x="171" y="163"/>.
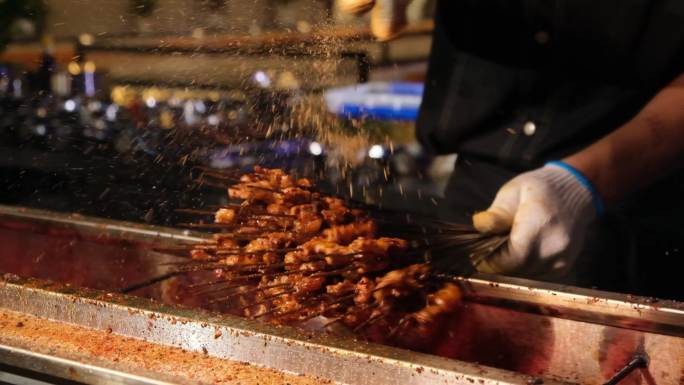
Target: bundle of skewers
<point x="285" y="253"/>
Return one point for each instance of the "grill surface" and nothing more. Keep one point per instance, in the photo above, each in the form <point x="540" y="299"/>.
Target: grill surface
<point x="509" y="331"/>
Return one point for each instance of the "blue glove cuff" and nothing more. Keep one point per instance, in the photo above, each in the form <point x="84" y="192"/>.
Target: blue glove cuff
<point x="595" y="196"/>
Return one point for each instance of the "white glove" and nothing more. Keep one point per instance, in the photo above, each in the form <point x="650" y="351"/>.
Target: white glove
<point x="547" y="212"/>
<point x="388" y="17"/>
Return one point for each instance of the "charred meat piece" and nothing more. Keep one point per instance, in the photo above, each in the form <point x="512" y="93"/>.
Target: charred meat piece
<point x="381" y="246"/>
<point x="270" y="242"/>
<point x="412" y="276"/>
<point x="341" y="288"/>
<point x="344" y="234"/>
<point x="224" y="215"/>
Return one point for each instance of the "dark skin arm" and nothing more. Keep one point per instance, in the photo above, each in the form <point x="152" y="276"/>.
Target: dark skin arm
<point x="642" y="150"/>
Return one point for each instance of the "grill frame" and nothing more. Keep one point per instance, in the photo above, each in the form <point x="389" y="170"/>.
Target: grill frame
<point x="588" y="314"/>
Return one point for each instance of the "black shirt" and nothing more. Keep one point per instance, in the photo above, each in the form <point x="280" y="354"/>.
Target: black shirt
<point x="515" y="83"/>
<point x="519" y="82"/>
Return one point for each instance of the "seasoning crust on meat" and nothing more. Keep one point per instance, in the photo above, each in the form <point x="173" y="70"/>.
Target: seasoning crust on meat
<point x="289" y="254"/>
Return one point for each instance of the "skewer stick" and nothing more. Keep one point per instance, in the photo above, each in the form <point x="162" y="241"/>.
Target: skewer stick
<point x="252" y="290"/>
<point x="262" y="229"/>
<point x="370" y="321"/>
<point x="187" y="247"/>
<point x="334" y="272"/>
<point x="210" y="283"/>
<point x="148" y="282"/>
<point x="208" y="225"/>
<point x="332" y="305"/>
<point x="332" y="322"/>
<point x="218" y="171"/>
<point x="218" y="289"/>
<point x="339" y="319"/>
<point x="236" y="225"/>
<point x="201" y="266"/>
<point x="267" y="215"/>
<point x="235" y="251"/>
<point x="303" y="306"/>
<point x="191" y="263"/>
<point x="233" y="284"/>
<point x="203" y="182"/>
<point x="399" y="326"/>
<point x="266" y="313"/>
<point x="229" y="206"/>
<point x="266" y="276"/>
<point x="268" y="299"/>
<point x="229" y="252"/>
<point x="242" y="235"/>
<point x="217" y="175"/>
<point x="195" y="211"/>
<point x="240" y="213"/>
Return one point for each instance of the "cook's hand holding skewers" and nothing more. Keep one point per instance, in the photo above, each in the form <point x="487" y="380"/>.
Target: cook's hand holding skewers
<point x="547" y="212"/>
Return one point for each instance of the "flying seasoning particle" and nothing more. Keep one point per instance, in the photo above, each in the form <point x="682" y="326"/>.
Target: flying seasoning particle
<point x="104" y="193"/>
<point x="184" y="159"/>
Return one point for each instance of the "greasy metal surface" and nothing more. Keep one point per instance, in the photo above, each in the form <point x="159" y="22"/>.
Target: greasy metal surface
<point x="237" y="339"/>
<point x="34" y="347"/>
<point x="72" y="369"/>
<point x="634" y="312"/>
<point x="101" y="228"/>
<point x="540" y="329"/>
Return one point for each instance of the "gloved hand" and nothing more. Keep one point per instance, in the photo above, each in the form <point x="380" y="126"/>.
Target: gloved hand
<point x="547" y="212"/>
<point x="388" y="17"/>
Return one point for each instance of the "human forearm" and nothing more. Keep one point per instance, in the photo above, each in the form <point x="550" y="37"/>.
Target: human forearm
<point x="642" y="150"/>
<point x="388" y="17"/>
<point x="547" y="211"/>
